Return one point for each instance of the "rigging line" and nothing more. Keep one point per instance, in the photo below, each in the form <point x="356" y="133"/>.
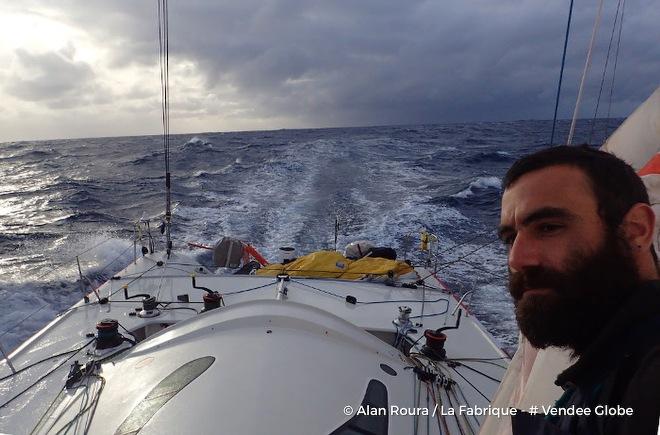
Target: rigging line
<point x="471" y="384"/>
<point x="561" y="72"/>
<point x="478" y="359"/>
<point x="479" y="372"/>
<point x="91" y="416"/>
<point x="428" y="406"/>
<point x="23" y="320"/>
<point x="27" y="367"/>
<point x="481" y="362"/>
<point x="468" y="426"/>
<point x="438" y="414"/>
<point x="41" y="419"/>
<point x="400" y="301"/>
<point x="248" y="289"/>
<point x="70" y="260"/>
<point x="162" y="277"/>
<point x="318" y="289"/>
<point x="451" y="405"/>
<point x="461" y="258"/>
<point x="587" y="64"/>
<point x="86" y="407"/>
<point x="616" y="61"/>
<point x="602" y="80"/>
<point x="163" y="45"/>
<point x="283" y="269"/>
<point x="481" y="269"/>
<point x="116" y="258"/>
<point x="132" y="281"/>
<point x="373" y="302"/>
<point x="93" y="247"/>
<point x="46" y="375"/>
<point x="436" y="255"/>
<point x="465" y="400"/>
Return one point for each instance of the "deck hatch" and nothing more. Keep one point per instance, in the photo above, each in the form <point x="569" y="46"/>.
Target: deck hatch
<point x="162" y="393"/>
<point x="374" y="398"/>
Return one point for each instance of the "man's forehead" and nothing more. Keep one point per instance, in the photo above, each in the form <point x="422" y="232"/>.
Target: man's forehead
<point x="560" y="186"/>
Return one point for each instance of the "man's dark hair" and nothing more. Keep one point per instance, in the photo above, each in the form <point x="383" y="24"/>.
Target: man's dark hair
<point x="615" y="183"/>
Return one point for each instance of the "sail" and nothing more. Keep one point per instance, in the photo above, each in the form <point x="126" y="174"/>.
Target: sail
<point x="637" y="141"/>
<point x="530" y="377"/>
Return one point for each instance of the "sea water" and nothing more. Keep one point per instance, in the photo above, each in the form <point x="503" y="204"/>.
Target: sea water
<point x="80" y="197"/>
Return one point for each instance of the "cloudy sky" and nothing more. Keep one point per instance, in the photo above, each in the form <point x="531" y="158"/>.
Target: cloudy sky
<point x="84" y="68"/>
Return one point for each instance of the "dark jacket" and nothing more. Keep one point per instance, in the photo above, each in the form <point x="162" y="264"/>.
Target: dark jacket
<point x="620" y="369"/>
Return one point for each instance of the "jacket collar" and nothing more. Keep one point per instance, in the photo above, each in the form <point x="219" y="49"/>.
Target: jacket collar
<point x="607" y="346"/>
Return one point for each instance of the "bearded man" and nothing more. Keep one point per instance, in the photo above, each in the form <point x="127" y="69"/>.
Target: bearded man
<point x="583" y="274"/>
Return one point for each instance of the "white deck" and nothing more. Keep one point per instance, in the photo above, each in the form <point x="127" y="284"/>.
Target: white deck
<point x="286" y="366"/>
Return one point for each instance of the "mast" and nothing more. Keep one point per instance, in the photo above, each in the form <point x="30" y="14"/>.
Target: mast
<point x="163" y="60"/>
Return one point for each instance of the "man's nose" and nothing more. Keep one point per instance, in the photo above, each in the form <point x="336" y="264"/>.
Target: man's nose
<point x="524" y="252"/>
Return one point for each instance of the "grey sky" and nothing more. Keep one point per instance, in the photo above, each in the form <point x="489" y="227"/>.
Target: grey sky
<point x="76" y="68"/>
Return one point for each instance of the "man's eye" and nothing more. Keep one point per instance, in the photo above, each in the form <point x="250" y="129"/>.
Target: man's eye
<point x="549" y="228"/>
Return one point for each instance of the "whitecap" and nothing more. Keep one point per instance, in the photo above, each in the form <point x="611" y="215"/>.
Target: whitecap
<point x="479" y="183"/>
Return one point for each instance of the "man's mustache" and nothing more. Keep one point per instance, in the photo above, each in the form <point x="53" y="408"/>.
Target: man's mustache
<point x="535" y="277"/>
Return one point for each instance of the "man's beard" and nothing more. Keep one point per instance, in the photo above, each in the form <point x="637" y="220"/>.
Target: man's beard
<point x="580" y="300"/>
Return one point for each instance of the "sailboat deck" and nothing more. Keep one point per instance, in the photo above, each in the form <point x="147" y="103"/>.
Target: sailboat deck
<point x="279" y="365"/>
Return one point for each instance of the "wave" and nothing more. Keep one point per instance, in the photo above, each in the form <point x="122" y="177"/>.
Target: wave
<point x="32" y="154"/>
<point x="90" y="217"/>
<point x="146" y="159"/>
<point x="487" y="157"/>
<point x="479" y="184"/>
<point x="197" y="144"/>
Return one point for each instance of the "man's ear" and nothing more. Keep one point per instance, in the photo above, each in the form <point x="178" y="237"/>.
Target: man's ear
<point x="638" y="225"/>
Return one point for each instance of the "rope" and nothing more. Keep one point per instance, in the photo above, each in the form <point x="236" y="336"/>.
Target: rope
<point x="584" y="72"/>
<point x="602" y="79"/>
<point x="471" y="384"/>
<point x="46" y="375"/>
<point x="561" y="72"/>
<point x="480" y="372"/>
<point x="321" y="290"/>
<point x="616" y="61"/>
<point x="459" y="259"/>
<point x="24" y="319"/>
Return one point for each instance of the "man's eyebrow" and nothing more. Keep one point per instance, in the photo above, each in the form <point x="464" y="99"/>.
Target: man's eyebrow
<point x="547" y="212"/>
<point x="542" y="213"/>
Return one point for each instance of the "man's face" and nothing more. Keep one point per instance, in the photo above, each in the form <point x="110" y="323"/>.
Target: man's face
<point x="568" y="271"/>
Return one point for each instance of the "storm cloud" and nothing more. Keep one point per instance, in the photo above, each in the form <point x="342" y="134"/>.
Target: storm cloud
<point x="294" y="63"/>
<point x="54" y="78"/>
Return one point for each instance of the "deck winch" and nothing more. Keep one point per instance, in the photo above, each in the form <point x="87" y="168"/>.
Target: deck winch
<point x="434" y="346"/>
<point x="212" y="300"/>
<point x="149" y="307"/>
<point x="107" y="334"/>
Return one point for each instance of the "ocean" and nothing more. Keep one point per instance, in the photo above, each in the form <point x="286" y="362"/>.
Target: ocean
<point x="81" y="197"/>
